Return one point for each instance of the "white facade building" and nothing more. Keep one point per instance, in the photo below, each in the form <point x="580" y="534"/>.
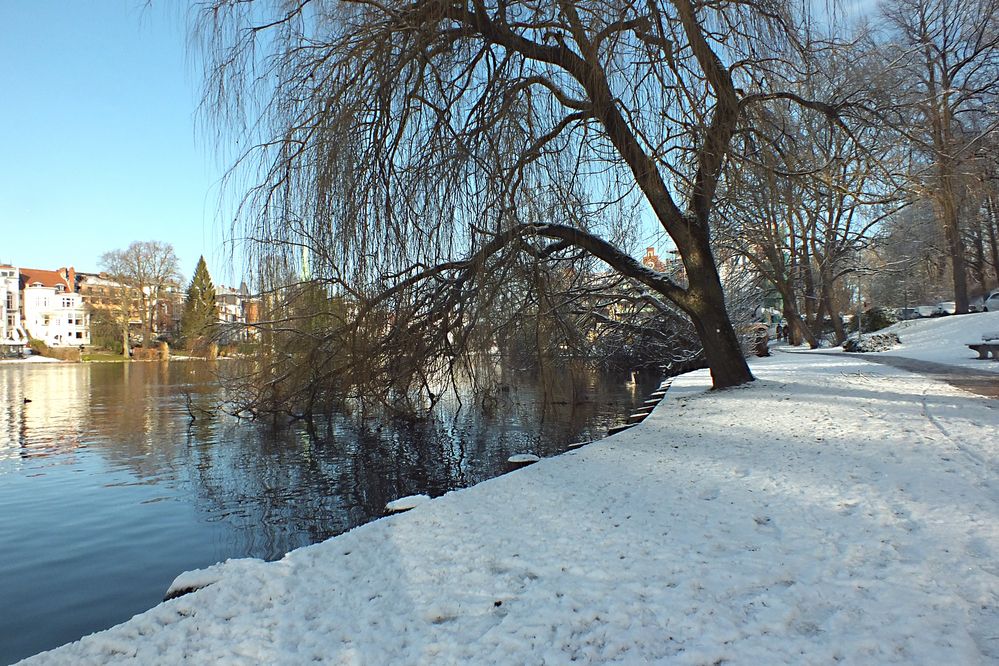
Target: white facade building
<point x="53" y="311"/>
<point x="11" y="329"/>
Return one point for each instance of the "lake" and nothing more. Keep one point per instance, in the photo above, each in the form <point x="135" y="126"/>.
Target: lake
<point x="109" y="490"/>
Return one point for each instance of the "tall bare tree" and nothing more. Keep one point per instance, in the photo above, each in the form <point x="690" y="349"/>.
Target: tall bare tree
<point x="950" y="52"/>
<point x="807" y="204"/>
<point x="144" y="270"/>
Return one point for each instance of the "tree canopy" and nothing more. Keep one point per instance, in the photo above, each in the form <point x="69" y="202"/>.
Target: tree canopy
<point x="144" y="270"/>
<point x="415" y="156"/>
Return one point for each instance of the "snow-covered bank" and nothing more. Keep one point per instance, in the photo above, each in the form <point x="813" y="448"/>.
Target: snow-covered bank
<point x="31" y="359"/>
<point x="946" y="339"/>
<point x="833" y="510"/>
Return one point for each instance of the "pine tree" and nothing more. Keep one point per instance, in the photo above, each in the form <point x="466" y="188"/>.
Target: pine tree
<point x="199" y="323"/>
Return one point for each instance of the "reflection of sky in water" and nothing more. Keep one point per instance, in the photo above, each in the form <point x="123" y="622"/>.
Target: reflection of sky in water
<point x="109" y="490"/>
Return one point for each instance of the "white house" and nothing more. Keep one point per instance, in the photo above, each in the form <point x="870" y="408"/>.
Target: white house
<point x="237" y="311"/>
<point x="11" y="329"/>
<point x="53" y="311"/>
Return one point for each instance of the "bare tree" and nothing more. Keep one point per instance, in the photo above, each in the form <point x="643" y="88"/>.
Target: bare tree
<point x="806" y="205"/>
<point x="143" y="270"/>
<point x="949" y="50"/>
<point x="113" y="263"/>
<point x="415" y="150"/>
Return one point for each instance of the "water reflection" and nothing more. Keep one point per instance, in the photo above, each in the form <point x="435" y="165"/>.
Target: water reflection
<point x="44" y="409"/>
<point x="110" y="489"/>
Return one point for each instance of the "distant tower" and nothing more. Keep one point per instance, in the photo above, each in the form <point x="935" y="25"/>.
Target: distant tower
<point x="652" y="260"/>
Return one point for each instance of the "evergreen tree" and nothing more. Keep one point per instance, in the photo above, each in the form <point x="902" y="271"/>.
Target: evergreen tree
<point x="199" y="323"/>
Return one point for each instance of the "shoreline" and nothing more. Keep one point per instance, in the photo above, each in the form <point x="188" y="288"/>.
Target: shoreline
<point x="723" y="527"/>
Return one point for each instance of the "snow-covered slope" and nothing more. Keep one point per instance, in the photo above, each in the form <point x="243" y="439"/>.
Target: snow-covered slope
<point x="834" y="510"/>
<point x="945" y="339"/>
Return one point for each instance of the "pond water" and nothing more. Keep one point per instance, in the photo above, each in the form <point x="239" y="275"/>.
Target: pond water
<point x="108" y="490"/>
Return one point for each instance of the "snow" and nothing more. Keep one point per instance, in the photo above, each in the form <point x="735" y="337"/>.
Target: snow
<point x="406" y="503"/>
<point x="946" y="339"/>
<point x="523" y="459"/>
<point x="833" y="510"/>
<point x="189" y="581"/>
<point x="34" y="358"/>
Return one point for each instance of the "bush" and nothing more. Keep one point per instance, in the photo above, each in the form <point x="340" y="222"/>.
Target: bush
<point x="61" y="353"/>
<point x="878" y="342"/>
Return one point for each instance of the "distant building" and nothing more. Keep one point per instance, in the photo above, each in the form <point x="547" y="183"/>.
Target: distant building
<point x="237" y="310"/>
<point x="652" y="260"/>
<point x="167" y="311"/>
<point x="52" y="310"/>
<point x="12" y="334"/>
<point x="102" y="294"/>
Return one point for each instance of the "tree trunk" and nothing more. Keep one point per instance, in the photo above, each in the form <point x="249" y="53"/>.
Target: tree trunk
<point x="979" y="264"/>
<point x="798" y="330"/>
<point x="993" y="221"/>
<point x="144" y="318"/>
<point x="834" y="314"/>
<point x="710" y="318"/>
<point x="949" y="217"/>
<point x="811" y="299"/>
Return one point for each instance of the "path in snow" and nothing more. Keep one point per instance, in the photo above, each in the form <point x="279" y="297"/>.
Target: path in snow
<point x="979" y="382"/>
<point x="833" y="510"/>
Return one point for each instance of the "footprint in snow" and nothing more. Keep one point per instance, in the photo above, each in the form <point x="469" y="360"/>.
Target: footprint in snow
<point x="709" y="494"/>
<point x="847" y="506"/>
<point x="978" y="547"/>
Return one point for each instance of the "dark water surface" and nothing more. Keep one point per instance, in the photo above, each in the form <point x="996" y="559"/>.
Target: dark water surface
<point x="108" y="491"/>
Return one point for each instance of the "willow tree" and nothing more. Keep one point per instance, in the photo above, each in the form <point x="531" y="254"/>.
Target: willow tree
<point x="417" y="149"/>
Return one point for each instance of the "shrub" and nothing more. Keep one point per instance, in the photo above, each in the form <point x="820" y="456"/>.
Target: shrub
<point x="61" y="353"/>
<point x="878" y="342"/>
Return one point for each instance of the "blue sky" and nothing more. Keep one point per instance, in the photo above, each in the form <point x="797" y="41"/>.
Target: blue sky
<point x="100" y="146"/>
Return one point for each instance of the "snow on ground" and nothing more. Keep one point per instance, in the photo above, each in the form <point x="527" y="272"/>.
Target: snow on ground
<point x="946" y="339"/>
<point x="34" y="358"/>
<point x="834" y="510"/>
<point x="406" y="503"/>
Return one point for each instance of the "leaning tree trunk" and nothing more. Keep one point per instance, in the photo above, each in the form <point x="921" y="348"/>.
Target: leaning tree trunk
<point x="710" y="318"/>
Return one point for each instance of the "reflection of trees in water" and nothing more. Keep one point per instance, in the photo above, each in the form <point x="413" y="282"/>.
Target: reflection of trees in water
<point x="283" y="489"/>
<point x="276" y="490"/>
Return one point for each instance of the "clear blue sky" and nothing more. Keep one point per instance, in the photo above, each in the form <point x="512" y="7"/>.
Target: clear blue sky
<point x="99" y="142"/>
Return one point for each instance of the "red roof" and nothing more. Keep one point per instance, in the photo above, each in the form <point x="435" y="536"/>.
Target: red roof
<point x="63" y="276"/>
